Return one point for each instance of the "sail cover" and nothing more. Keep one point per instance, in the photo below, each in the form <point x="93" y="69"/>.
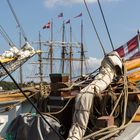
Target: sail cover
<point x="14" y="58"/>
<point x="111" y="67"/>
<point x="32" y="127"/>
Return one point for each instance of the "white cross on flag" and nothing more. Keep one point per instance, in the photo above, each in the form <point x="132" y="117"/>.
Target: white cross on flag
<point x="128" y="47"/>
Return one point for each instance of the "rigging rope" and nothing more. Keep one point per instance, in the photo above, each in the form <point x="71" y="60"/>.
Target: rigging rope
<point x="94" y="27"/>
<point x="105" y="24"/>
<point x="18" y="23"/>
<point x="107" y="132"/>
<point x="31" y="102"/>
<point x="6" y="37"/>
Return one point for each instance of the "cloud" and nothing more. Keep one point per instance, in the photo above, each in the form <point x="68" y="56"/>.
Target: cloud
<point x="90" y="65"/>
<point x="52" y="3"/>
<point x="93" y="63"/>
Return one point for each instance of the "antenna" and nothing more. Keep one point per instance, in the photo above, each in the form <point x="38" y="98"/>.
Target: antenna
<point x="18" y="23"/>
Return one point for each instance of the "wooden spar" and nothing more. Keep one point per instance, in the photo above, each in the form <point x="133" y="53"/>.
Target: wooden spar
<point x="132" y="64"/>
<point x="59" y="43"/>
<point x="134" y="76"/>
<point x="6" y="60"/>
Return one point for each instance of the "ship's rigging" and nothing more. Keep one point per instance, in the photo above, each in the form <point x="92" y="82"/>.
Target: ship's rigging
<point x="118" y="91"/>
<point x="67" y="55"/>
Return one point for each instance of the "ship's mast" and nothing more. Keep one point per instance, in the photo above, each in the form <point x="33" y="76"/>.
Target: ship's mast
<point x="82" y="48"/>
<point x="70" y="54"/>
<point x="40" y="60"/>
<point x="51" y="49"/>
<point x="64" y="45"/>
<point x="20" y="69"/>
<point x="63" y="48"/>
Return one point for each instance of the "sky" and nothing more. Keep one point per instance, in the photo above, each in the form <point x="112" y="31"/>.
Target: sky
<point x="122" y="17"/>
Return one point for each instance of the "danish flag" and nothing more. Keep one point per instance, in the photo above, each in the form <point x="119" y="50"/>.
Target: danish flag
<point x="48" y="25"/>
<point x="128" y="47"/>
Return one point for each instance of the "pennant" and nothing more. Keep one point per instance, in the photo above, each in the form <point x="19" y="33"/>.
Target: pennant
<point x="78" y="15"/>
<point x="128" y="47"/>
<point x="47" y="26"/>
<point x="60" y="15"/>
<point x="68" y="21"/>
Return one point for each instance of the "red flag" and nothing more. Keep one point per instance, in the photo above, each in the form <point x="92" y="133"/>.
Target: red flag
<point x="128" y="47"/>
<point x="68" y="21"/>
<point x="78" y="15"/>
<point x="48" y="25"/>
<point x="60" y="15"/>
<point x="136" y="55"/>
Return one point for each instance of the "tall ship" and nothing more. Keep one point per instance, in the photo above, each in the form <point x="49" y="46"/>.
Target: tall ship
<point x="99" y="105"/>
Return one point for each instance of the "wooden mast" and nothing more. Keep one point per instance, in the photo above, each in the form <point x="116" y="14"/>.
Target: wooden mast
<point x="63" y="48"/>
<point x="82" y="48"/>
<point x="40" y="60"/>
<point x="70" y="54"/>
<point x="51" y="49"/>
<point x="20" y="69"/>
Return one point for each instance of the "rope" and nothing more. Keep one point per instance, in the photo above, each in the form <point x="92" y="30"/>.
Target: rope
<point x="120" y="128"/>
<point x="115" y="131"/>
<point x="117" y="102"/>
<point x="110" y="132"/>
<point x="6" y="37"/>
<point x="18" y="23"/>
<point x="54" y="113"/>
<point x="105" y="24"/>
<point x="99" y="131"/>
<point x="30" y="101"/>
<point x="94" y="27"/>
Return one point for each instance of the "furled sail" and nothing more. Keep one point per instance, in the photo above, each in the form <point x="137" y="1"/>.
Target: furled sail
<point x="14" y="58"/>
<point x="111" y="68"/>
